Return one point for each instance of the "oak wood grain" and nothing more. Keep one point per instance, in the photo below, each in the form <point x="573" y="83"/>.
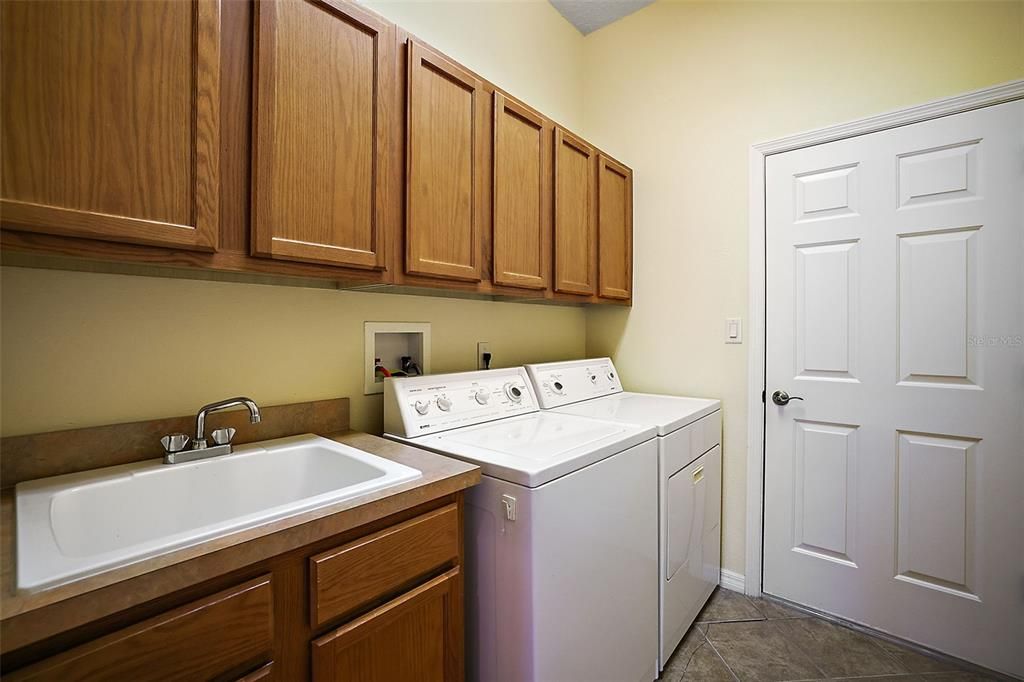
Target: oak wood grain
<point x="575" y="214"/>
<point x="223" y="635"/>
<point x="110" y="120"/>
<point x="264" y="672"/>
<point x="615" y="229"/>
<point x="62" y="452"/>
<point x="444" y="167"/>
<point x="425" y="625"/>
<point x="349" y="577"/>
<point x="322" y="132"/>
<point x="522" y="195"/>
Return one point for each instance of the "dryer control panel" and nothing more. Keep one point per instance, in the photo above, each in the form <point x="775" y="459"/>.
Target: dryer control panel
<point x="417" y="406"/>
<point x="561" y="383"/>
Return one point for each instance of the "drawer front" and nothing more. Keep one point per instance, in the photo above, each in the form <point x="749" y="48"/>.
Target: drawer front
<point x="224" y="635"/>
<point x="378" y="565"/>
<point x="416" y="636"/>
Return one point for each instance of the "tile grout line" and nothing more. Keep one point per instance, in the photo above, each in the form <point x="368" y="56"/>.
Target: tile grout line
<point x="720" y="656"/>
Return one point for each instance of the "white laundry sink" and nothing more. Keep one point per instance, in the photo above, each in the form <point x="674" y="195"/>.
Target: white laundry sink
<point x="80" y="524"/>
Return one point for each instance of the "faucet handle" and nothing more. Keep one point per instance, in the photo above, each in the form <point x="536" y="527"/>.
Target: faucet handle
<point x="175" y="442"/>
<point x="223" y="436"/>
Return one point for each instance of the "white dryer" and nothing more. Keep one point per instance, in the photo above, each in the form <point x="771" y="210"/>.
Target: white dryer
<point x="689" y="478"/>
<point x="561" y="533"/>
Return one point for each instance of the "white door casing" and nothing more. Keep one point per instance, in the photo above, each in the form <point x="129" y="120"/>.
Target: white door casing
<point x="893" y="492"/>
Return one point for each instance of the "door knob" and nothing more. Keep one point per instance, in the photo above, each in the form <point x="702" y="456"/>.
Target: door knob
<point x="783" y="398"/>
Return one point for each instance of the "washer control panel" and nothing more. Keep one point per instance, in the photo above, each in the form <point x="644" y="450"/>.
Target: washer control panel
<point x="561" y="383"/>
<point x="417" y="406"/>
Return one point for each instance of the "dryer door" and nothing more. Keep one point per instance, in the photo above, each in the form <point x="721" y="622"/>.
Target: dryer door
<point x="683" y="586"/>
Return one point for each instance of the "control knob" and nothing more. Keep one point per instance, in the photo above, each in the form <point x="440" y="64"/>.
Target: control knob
<point x="557" y="387"/>
<point x="422" y="407"/>
<point x="514" y="393"/>
<point x="444" y="404"/>
<point x="482" y="397"/>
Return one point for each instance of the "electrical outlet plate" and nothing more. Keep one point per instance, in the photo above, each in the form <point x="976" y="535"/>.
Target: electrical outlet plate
<point x="481" y="348"/>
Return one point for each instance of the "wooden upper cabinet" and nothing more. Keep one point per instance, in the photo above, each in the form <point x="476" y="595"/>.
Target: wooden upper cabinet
<point x="522" y="195"/>
<point x="575" y="214"/>
<point x="444" y="159"/>
<point x="323" y="99"/>
<point x="417" y="636"/>
<point x="110" y="120"/>
<point x="615" y="229"/>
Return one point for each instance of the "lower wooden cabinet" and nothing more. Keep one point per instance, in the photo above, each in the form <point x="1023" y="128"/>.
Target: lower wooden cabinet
<point x="222" y="636"/>
<point x="417" y="636"/>
<point x="297" y="619"/>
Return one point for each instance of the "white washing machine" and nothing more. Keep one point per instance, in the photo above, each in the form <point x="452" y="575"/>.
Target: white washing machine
<point x="689" y="478"/>
<point x="561" y="533"/>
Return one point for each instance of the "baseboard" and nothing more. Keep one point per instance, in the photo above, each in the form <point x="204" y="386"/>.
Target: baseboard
<point x="731" y="580"/>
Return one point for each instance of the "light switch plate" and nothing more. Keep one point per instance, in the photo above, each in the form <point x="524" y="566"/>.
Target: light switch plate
<point x="733" y="330"/>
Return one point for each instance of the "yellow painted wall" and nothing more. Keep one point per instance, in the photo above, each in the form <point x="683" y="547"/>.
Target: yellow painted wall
<point x="523" y="46"/>
<point x="81" y="349"/>
<point x="680" y="90"/>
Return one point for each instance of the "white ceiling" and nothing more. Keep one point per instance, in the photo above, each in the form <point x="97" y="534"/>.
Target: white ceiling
<point x="590" y="15"/>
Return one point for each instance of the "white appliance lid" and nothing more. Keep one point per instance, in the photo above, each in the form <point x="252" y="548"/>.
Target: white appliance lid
<point x="665" y="412"/>
<point x="536" y="448"/>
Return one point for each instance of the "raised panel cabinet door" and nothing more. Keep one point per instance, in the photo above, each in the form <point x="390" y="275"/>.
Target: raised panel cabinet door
<point x="615" y="229"/>
<point x="223" y="636"/>
<point x="417" y="636"/>
<point x="575" y="214"/>
<point x="522" y="195"/>
<point x="444" y="152"/>
<point x="323" y="100"/>
<point x="110" y="120"/>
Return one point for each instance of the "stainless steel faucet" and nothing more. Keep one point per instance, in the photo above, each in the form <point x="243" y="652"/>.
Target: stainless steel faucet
<point x="254" y="416"/>
<point x="175" y="445"/>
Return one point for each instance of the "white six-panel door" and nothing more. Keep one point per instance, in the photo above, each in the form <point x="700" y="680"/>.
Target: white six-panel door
<point x="894" y="491"/>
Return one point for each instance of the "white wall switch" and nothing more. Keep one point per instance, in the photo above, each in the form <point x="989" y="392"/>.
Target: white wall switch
<point x="481" y="348"/>
<point x="733" y="330"/>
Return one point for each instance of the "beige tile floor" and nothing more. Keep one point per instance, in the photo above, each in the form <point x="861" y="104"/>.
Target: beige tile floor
<point x="737" y="638"/>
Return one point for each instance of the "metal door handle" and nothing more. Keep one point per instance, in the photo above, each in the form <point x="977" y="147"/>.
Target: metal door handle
<point x="783" y="398"/>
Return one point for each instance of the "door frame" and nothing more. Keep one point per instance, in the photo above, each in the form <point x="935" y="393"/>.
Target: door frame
<point x="758" y="154"/>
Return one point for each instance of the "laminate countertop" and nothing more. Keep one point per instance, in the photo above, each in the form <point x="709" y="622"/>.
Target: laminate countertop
<point x="28" y="617"/>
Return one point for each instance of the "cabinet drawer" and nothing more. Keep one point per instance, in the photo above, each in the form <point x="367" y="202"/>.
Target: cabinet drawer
<point x="221" y="636"/>
<point x="377" y="565"/>
<point x="416" y="636"/>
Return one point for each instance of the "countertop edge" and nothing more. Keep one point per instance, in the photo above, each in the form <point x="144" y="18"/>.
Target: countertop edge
<point x="161" y="575"/>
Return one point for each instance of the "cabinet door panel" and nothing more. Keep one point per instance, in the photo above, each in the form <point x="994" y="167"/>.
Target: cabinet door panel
<point x="114" y="129"/>
<point x="575" y="214"/>
<point x="323" y="94"/>
<point x="522" y="196"/>
<point x="443" y="163"/>
<point x="615" y="229"/>
<point x="417" y="636"/>
<point x="216" y="637"/>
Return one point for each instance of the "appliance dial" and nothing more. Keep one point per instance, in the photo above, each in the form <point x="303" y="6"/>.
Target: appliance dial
<point x="514" y="393"/>
<point x="611" y="376"/>
<point x="422" y="407"/>
<point x="482" y="397"/>
<point x="593" y="378"/>
<point x="444" y="404"/>
<point x="557" y="387"/>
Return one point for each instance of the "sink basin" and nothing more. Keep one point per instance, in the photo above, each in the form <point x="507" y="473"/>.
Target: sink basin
<point x="79" y="524"/>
